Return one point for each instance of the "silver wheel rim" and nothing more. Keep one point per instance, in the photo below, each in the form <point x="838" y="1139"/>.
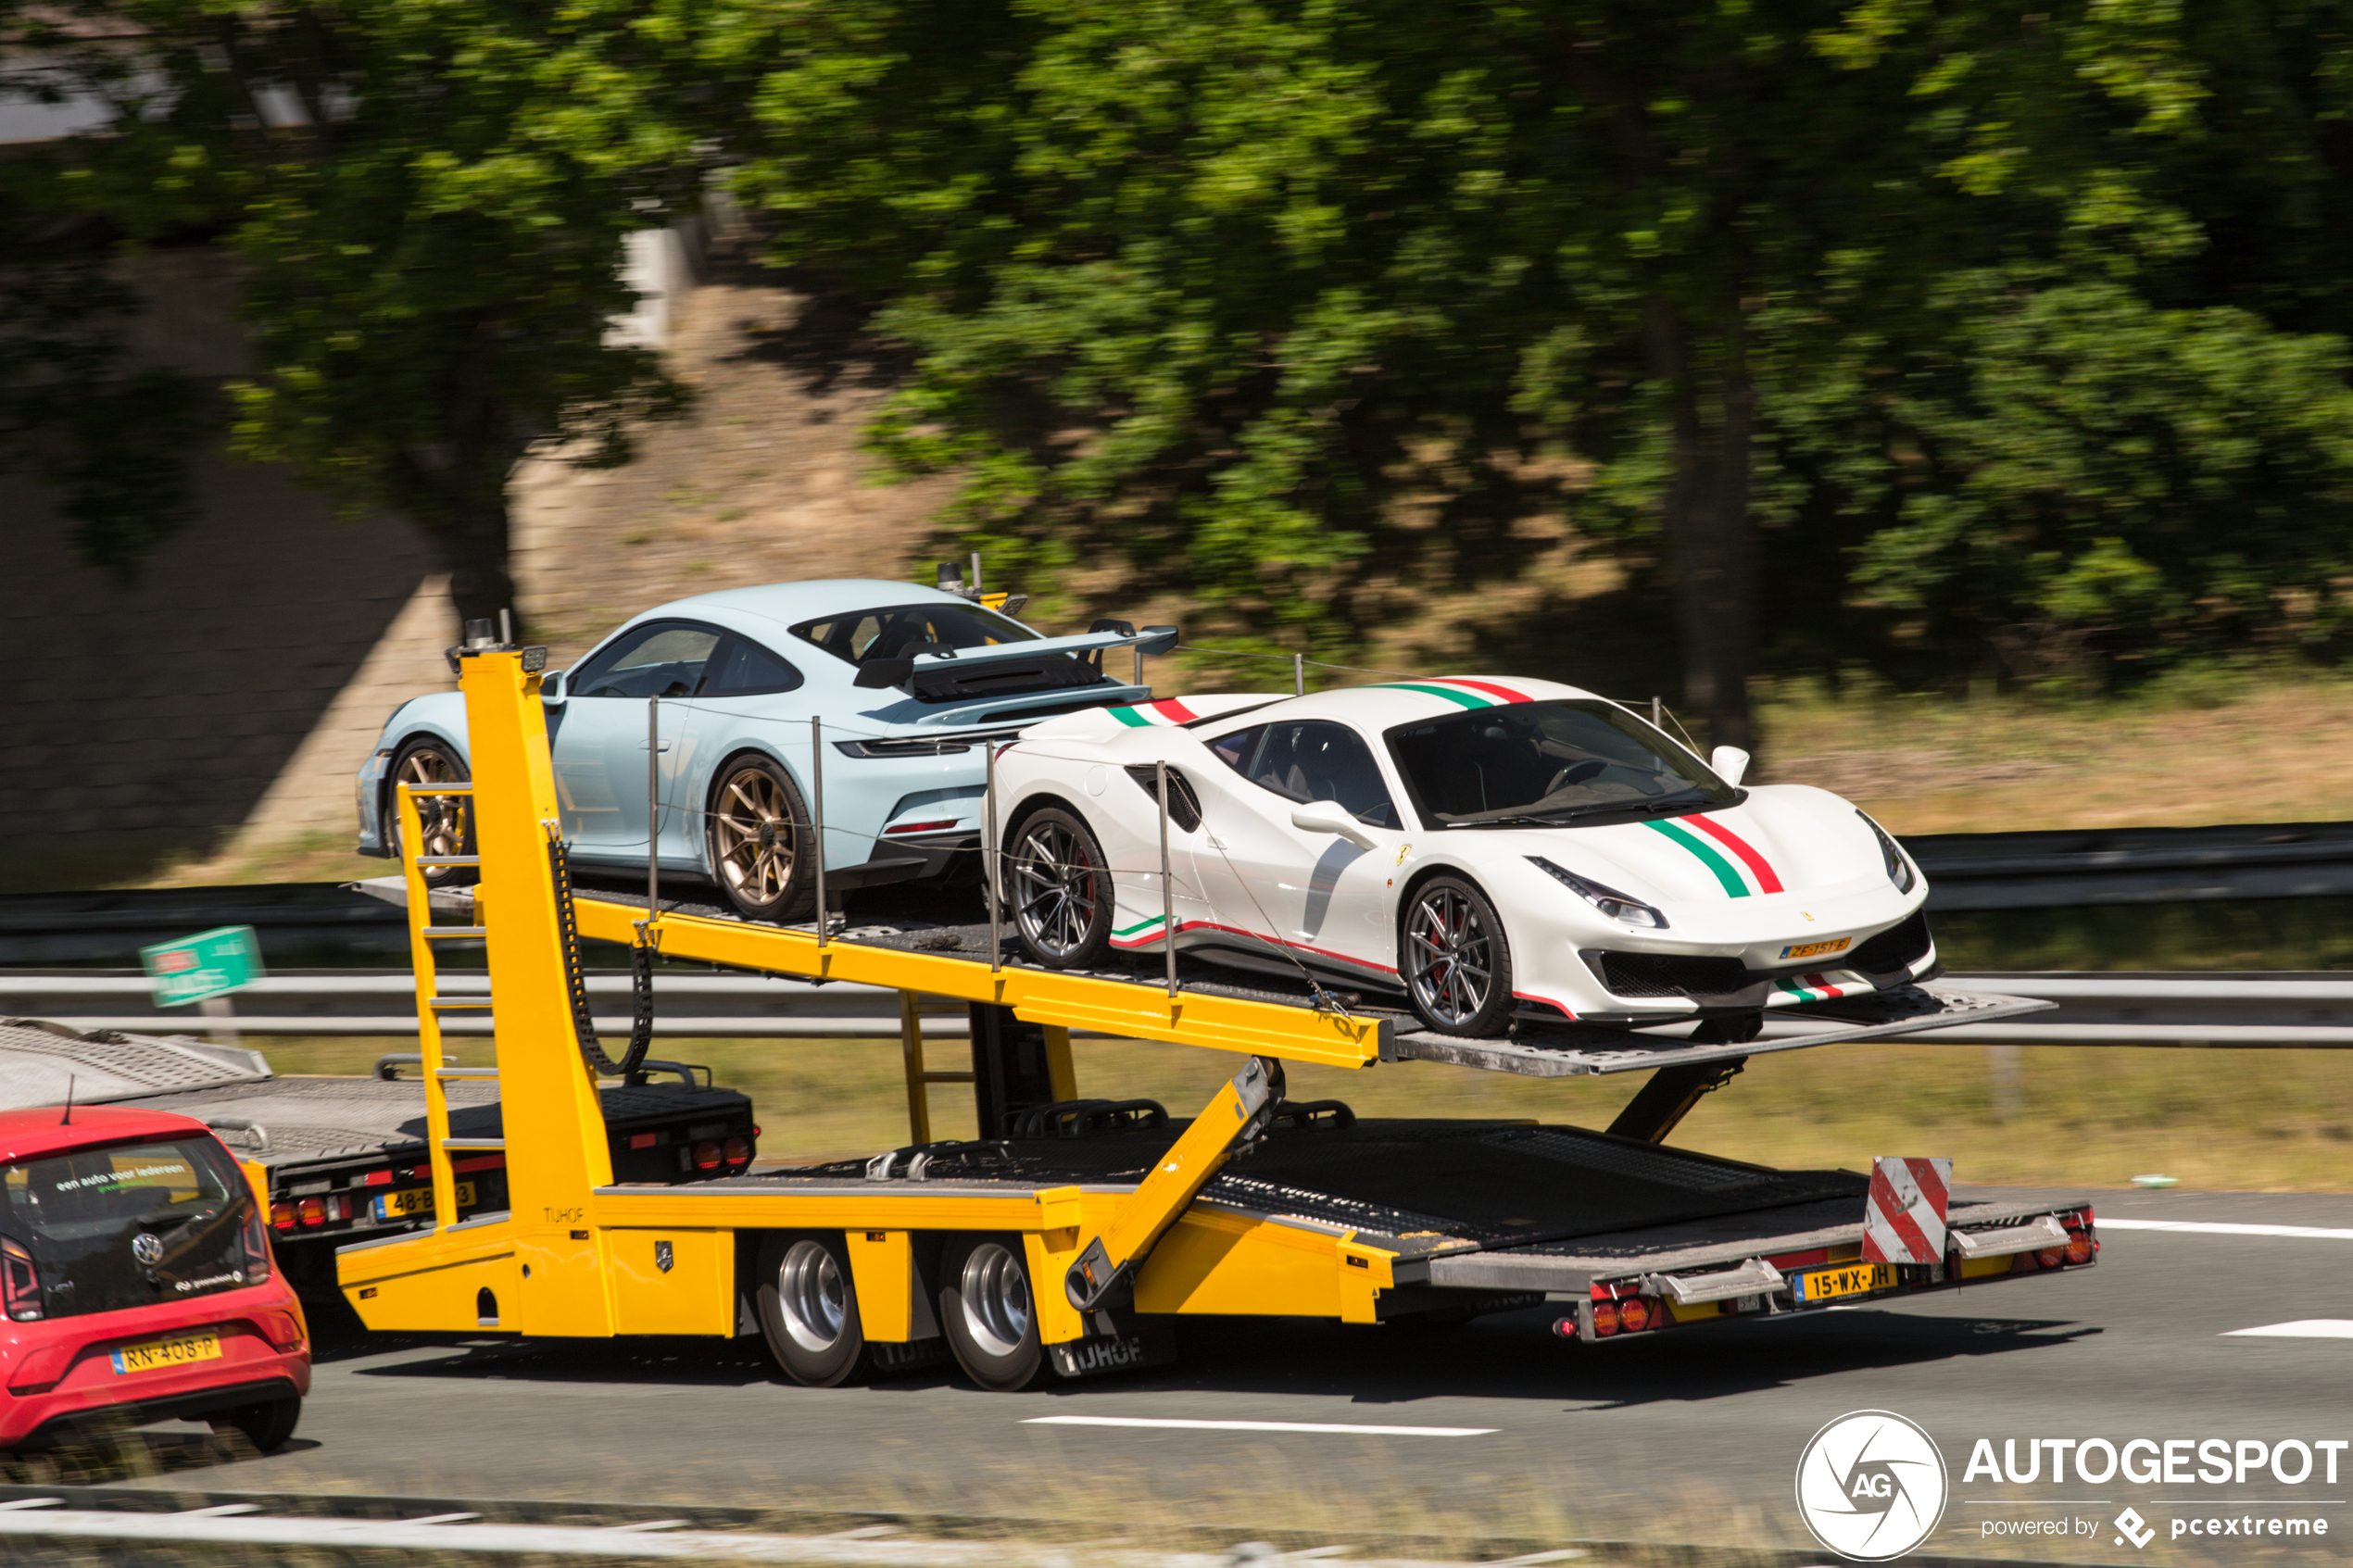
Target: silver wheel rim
<point x="1450" y="956"/>
<point x="995" y="1291"/>
<point x="1055" y="891"/>
<point x="441" y="819"/>
<point x="810" y="1295"/>
<point x="751" y="834"/>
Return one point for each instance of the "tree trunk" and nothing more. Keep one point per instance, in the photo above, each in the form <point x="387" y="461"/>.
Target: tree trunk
<point x="1710" y="549"/>
<point x="474" y="546"/>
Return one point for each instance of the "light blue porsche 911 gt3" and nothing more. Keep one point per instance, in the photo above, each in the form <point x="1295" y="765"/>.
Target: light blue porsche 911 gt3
<point x="908" y="680"/>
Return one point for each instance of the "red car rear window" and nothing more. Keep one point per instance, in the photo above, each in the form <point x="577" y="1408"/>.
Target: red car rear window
<point x="123" y="1226"/>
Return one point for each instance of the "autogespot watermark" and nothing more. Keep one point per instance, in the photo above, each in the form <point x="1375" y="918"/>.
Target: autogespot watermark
<point x="1872" y="1485"/>
<point x="2245" y="1465"/>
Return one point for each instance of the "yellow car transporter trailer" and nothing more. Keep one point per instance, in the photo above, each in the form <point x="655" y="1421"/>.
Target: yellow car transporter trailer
<point x="1069" y="1235"/>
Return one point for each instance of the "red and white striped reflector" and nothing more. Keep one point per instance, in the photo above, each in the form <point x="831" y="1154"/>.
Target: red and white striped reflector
<point x="1904" y="1217"/>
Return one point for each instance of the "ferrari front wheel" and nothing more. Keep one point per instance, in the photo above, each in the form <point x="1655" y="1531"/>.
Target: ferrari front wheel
<point x="1057" y="880"/>
<point x="1456" y="961"/>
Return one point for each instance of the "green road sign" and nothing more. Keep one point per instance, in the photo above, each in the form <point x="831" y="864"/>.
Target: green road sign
<point x="211" y="963"/>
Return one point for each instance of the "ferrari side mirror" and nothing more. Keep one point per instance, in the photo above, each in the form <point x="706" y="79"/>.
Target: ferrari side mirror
<point x="1729" y="762"/>
<point x="1330" y="816"/>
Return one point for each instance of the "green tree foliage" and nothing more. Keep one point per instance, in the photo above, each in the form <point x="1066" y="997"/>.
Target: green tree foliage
<point x="1891" y="329"/>
<point x="430" y="199"/>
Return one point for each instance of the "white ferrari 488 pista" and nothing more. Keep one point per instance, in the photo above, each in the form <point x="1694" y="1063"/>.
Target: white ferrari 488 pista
<point x="1491" y="848"/>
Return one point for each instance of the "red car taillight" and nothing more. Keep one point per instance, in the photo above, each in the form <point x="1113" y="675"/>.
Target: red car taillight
<point x="256" y="1247"/>
<point x="19" y="1283"/>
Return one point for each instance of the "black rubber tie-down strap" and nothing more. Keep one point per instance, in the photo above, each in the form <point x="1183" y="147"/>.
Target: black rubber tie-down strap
<point x="641" y="981"/>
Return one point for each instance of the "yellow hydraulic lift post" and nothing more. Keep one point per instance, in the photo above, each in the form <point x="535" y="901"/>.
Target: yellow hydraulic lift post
<point x="423" y="934"/>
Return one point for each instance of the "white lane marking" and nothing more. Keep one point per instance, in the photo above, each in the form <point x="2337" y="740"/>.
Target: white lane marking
<point x="2212" y="1227"/>
<point x="1257" y="1425"/>
<point x="2302" y="1329"/>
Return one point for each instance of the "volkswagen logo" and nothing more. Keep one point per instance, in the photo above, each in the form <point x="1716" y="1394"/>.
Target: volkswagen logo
<point x="147" y="1247"/>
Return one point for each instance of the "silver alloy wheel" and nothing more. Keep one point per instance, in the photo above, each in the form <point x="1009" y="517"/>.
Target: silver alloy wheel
<point x="441" y="819"/>
<point x="752" y="835"/>
<point x="810" y="1297"/>
<point x="1054" y="889"/>
<point x="995" y="1293"/>
<point x="1450" y="955"/>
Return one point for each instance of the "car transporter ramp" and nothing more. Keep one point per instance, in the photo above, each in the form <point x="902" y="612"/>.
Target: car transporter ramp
<point x="1068" y="1236"/>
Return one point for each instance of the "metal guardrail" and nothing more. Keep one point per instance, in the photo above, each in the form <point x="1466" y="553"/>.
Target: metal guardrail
<point x="2272" y="1009"/>
<point x="322" y="923"/>
<point x="2047" y="869"/>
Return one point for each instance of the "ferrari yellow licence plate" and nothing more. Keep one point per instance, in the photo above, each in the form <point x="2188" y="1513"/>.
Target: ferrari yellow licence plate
<point x="177" y="1349"/>
<point x="1816" y="949"/>
<point x="1853" y="1279"/>
<point x="417" y="1200"/>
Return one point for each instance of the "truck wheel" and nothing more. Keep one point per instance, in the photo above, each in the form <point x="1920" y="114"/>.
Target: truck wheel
<point x="1059" y="883"/>
<point x="1456" y="963"/>
<point x="990" y="1316"/>
<point x="265" y="1426"/>
<point x="809" y="1310"/>
<point x="758" y="829"/>
<point x="448" y="819"/>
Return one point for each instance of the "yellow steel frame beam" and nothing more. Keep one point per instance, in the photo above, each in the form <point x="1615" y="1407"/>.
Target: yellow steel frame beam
<point x="1040" y="996"/>
<point x="1235" y="1116"/>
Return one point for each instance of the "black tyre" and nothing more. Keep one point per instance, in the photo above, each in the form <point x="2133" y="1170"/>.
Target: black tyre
<point x="808" y="1309"/>
<point x="759" y="838"/>
<point x="267" y="1425"/>
<point x="1455" y="961"/>
<point x="448" y="819"/>
<point x="988" y="1312"/>
<point x="1058" y="882"/>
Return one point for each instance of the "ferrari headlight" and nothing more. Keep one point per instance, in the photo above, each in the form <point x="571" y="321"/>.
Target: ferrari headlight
<point x="1609" y="900"/>
<point x="1899" y="870"/>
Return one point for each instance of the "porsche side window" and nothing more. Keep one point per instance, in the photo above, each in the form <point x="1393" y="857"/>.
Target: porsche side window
<point x="1234" y="750"/>
<point x="892" y="631"/>
<point x="1309" y="760"/>
<point x="745" y="669"/>
<point x="666" y="659"/>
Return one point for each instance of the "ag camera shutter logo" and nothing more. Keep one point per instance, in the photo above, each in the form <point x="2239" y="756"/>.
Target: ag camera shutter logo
<point x="1871" y="1486"/>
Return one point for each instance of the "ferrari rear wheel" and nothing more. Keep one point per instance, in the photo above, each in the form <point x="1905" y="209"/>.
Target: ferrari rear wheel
<point x="1457" y="962"/>
<point x="1059" y="885"/>
<point x="445" y="821"/>
<point x="759" y="831"/>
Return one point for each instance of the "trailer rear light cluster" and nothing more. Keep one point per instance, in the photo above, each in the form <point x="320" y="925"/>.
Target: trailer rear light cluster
<point x="717" y="1154"/>
<point x="283" y="1216"/>
<point x="1615" y="1315"/>
<point x="310" y="1211"/>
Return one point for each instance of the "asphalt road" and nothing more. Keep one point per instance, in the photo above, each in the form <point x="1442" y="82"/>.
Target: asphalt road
<point x="1690" y="1436"/>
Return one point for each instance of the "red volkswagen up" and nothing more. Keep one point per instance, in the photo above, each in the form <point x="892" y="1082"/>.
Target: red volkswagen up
<point x="136" y="1283"/>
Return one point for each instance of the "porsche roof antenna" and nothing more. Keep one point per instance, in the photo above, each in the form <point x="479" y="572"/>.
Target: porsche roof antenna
<point x="67" y="1119"/>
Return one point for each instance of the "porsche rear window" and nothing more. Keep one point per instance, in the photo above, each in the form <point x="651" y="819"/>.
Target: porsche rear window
<point x="128" y="1226"/>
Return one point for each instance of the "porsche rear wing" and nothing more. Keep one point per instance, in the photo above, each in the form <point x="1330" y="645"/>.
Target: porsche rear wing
<point x="898" y="671"/>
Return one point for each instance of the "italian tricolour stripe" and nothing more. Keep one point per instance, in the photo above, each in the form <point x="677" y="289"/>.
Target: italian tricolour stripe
<point x="1460" y="692"/>
<point x="1145" y="715"/>
<point x="1735" y="863"/>
<point x="1819" y="987"/>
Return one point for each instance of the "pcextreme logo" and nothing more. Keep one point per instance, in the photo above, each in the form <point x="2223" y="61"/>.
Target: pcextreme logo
<point x="1871" y="1486"/>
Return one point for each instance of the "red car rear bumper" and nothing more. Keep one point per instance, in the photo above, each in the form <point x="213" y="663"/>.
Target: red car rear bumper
<point x="58" y="1375"/>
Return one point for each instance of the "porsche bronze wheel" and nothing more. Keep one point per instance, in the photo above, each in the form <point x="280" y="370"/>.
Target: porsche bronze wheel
<point x="1456" y="963"/>
<point x="760" y="831"/>
<point x="445" y="821"/>
<point x="1059" y="885"/>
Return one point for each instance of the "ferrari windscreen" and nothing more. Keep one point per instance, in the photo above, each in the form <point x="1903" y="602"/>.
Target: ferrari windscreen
<point x="1548" y="764"/>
